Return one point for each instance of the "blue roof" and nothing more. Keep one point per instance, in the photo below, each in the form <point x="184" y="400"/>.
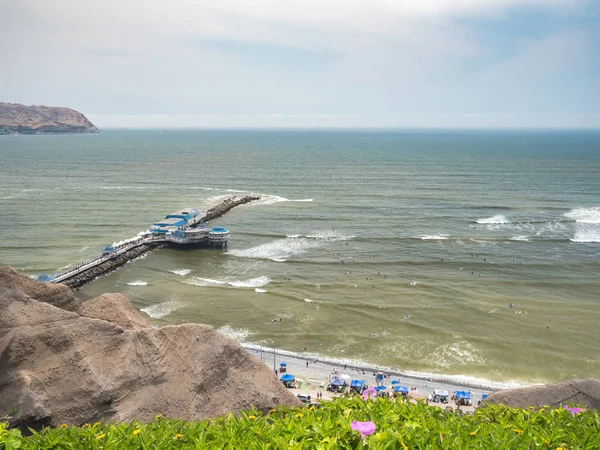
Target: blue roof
<point x="287" y="377"/>
<point x="178" y="233"/>
<point x="395" y="382"/>
<point x="401" y="389"/>
<point x="357" y="383"/>
<point x="463" y="394"/>
<point x="218" y="229"/>
<point x="109" y="249"/>
<point x="170" y="222"/>
<point x="45" y="277"/>
<point x="380" y="388"/>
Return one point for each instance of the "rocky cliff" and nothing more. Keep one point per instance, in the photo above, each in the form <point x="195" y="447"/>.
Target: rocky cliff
<point x="17" y="118"/>
<point x="62" y="361"/>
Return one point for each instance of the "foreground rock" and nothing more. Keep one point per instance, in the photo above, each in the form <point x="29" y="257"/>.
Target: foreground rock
<point x="57" y="366"/>
<point x="17" y="118"/>
<point x="581" y="392"/>
<point x="58" y="295"/>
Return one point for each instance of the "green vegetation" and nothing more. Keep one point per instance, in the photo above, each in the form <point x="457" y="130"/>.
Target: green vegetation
<point x="398" y="425"/>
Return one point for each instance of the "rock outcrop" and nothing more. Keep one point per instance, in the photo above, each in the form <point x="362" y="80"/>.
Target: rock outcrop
<point x="59" y="366"/>
<point x="17" y="118"/>
<point x="581" y="392"/>
<point x="58" y="295"/>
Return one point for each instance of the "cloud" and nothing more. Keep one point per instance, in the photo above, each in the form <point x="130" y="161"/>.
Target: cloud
<point x="376" y="62"/>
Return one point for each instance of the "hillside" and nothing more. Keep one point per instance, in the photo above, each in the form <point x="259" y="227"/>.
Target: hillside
<point x="21" y="119"/>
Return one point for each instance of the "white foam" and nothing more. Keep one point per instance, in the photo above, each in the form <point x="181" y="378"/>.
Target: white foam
<point x="266" y="199"/>
<point x="208" y="282"/>
<point x="182" y="272"/>
<point x="238" y="334"/>
<point x="260" y="291"/>
<point x="7" y="198"/>
<point x="253" y="282"/>
<point x="119" y="187"/>
<point x="308" y="300"/>
<point x="520" y="238"/>
<point x="585" y="215"/>
<point x="456" y="354"/>
<point x="587" y="224"/>
<point x="233" y="190"/>
<point x="493" y="220"/>
<point x="413" y="283"/>
<point x="434" y="237"/>
<point x="162" y="309"/>
<point x="138" y="283"/>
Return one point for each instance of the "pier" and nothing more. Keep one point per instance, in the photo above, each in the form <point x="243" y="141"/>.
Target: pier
<point x="114" y="257"/>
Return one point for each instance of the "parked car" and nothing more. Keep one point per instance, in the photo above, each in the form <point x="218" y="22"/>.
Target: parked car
<point x="304" y="398"/>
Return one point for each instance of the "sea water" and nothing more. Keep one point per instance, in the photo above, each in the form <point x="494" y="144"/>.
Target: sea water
<point x="474" y="255"/>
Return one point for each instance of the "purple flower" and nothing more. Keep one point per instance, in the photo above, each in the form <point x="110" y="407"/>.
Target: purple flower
<point x="369" y="393"/>
<point x="364" y="428"/>
<point x="573" y="410"/>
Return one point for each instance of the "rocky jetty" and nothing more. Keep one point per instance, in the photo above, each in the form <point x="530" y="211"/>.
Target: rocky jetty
<point x="227" y="205"/>
<point x="581" y="392"/>
<point x="20" y="119"/>
<point x="103" y="361"/>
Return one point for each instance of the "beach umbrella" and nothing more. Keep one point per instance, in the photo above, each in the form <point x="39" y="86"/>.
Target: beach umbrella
<point x="337" y="382"/>
<point x="401" y="389"/>
<point x="483" y="396"/>
<point x="463" y="394"/>
<point x="395" y="382"/>
<point x="287" y="377"/>
<point x="283" y="364"/>
<point x="380" y="388"/>
<point x="357" y="383"/>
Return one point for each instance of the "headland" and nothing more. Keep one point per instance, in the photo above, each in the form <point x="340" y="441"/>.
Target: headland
<point x="21" y="119"/>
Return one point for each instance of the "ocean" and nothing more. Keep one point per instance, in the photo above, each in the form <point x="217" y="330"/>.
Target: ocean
<point x="473" y="255"/>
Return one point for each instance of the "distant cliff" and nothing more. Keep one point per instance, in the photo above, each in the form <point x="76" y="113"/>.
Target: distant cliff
<point x="21" y="119"/>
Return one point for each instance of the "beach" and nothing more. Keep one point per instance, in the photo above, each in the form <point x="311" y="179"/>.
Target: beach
<point x="315" y="376"/>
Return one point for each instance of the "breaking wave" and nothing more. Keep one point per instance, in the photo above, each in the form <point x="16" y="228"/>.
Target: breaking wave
<point x="138" y="283"/>
<point x="238" y="334"/>
<point x="208" y="282"/>
<point x="182" y="272"/>
<point x="162" y="309"/>
<point x="498" y="219"/>
<point x="436" y="237"/>
<point x="587" y="224"/>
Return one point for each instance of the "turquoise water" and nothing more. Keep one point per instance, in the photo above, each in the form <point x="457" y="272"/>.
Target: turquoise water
<point x="438" y="233"/>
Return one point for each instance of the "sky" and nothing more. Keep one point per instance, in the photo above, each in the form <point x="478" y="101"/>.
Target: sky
<point x="307" y="63"/>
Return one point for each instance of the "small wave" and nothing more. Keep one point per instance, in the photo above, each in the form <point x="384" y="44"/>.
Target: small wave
<point x="520" y="238"/>
<point x="272" y="199"/>
<point x="182" y="272"/>
<point x="162" y="309"/>
<point x="308" y="300"/>
<point x="138" y="283"/>
<point x="434" y="237"/>
<point x="260" y="291"/>
<point x="234" y="190"/>
<point x="120" y="187"/>
<point x="253" y="282"/>
<point x="9" y="197"/>
<point x="493" y="220"/>
<point x="238" y="334"/>
<point x="197" y="281"/>
<point x="413" y="283"/>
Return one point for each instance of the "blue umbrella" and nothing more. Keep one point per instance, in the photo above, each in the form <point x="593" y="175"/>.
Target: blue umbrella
<point x="463" y="394"/>
<point x="484" y="396"/>
<point x="380" y="388"/>
<point x="337" y="382"/>
<point x="287" y="377"/>
<point x="395" y="382"/>
<point x="357" y="383"/>
<point x="401" y="389"/>
<point x="283" y="364"/>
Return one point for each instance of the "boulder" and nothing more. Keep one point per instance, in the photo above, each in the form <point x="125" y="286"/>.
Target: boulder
<point x="57" y="294"/>
<point x="581" y="392"/>
<point x="57" y="366"/>
<point x="114" y="308"/>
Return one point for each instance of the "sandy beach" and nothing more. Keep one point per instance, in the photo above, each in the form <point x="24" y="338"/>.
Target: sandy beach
<point x="314" y="374"/>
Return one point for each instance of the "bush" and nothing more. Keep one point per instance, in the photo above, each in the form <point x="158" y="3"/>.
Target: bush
<point x="398" y="425"/>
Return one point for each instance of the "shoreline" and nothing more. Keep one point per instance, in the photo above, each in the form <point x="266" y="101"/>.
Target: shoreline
<point x="319" y="369"/>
